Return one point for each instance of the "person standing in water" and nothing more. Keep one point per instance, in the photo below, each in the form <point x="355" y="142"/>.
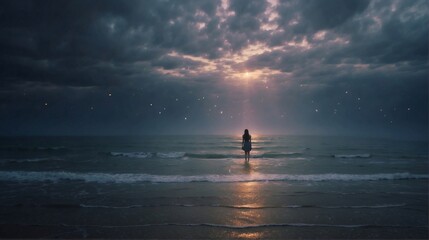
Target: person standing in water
<point x="246" y="145"/>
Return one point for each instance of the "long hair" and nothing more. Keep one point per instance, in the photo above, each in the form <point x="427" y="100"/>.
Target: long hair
<point x="246" y="135"/>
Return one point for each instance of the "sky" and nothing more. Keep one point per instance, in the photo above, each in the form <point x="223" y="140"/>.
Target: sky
<point x="313" y="67"/>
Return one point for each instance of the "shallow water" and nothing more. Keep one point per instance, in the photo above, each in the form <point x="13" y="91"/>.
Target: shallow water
<point x="199" y="187"/>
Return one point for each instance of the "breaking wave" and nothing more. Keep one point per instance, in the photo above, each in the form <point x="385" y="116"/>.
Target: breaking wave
<point x="365" y="155"/>
<point x="31" y="160"/>
<point x="200" y="155"/>
<point x="250" y="226"/>
<point x="32" y="149"/>
<point x="250" y="207"/>
<point x="135" y="177"/>
<point x="148" y="154"/>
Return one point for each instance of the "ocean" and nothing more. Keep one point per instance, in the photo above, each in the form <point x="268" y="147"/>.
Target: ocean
<point x="200" y="187"/>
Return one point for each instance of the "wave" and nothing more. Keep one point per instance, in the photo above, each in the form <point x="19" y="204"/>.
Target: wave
<point x="240" y="207"/>
<point x="171" y="154"/>
<point x="279" y="155"/>
<point x="39" y="148"/>
<point x="30" y="160"/>
<point x="148" y="154"/>
<point x="212" y="155"/>
<point x="224" y="206"/>
<point x="223" y="156"/>
<point x="353" y="193"/>
<point x="199" y="155"/>
<point x="227" y="226"/>
<point x="132" y="154"/>
<point x="51" y="148"/>
<point x="365" y="155"/>
<point x="135" y="178"/>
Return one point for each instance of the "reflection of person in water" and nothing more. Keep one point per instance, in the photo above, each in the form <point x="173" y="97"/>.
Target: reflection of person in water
<point x="246" y="145"/>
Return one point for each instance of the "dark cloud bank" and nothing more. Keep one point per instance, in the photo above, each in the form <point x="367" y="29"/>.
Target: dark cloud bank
<point x="330" y="67"/>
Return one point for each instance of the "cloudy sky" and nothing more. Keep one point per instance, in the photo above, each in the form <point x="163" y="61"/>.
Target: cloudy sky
<point x="330" y="67"/>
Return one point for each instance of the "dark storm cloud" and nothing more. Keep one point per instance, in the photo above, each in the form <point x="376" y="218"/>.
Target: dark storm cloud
<point x="171" y="62"/>
<point x="329" y="14"/>
<point x="149" y="66"/>
<point x="61" y="42"/>
<point x="68" y="42"/>
<point x="397" y="37"/>
<point x="246" y="14"/>
<point x="303" y="18"/>
<point x="244" y="24"/>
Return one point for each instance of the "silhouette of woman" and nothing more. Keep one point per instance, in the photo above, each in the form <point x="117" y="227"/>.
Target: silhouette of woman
<point x="246" y="145"/>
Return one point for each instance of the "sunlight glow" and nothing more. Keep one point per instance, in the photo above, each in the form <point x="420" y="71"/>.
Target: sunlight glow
<point x="258" y="75"/>
<point x="231" y="68"/>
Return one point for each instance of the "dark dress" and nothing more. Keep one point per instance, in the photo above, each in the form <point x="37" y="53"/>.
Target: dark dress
<point x="247" y="146"/>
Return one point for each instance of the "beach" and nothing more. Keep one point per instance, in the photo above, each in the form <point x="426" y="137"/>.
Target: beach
<point x="199" y="187"/>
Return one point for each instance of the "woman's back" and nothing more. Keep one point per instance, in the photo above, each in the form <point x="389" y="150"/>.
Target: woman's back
<point x="247" y="137"/>
<point x="247" y="145"/>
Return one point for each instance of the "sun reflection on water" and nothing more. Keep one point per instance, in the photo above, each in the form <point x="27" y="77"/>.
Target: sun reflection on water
<point x="249" y="202"/>
<point x="248" y="235"/>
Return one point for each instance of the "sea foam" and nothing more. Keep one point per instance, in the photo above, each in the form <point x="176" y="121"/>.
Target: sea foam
<point x="32" y="160"/>
<point x="136" y="177"/>
<point x="364" y="155"/>
<point x="131" y="154"/>
<point x="148" y="154"/>
<point x="202" y="155"/>
<point x="250" y="226"/>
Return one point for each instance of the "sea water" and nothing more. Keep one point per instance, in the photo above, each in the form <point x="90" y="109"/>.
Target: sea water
<point x="200" y="187"/>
